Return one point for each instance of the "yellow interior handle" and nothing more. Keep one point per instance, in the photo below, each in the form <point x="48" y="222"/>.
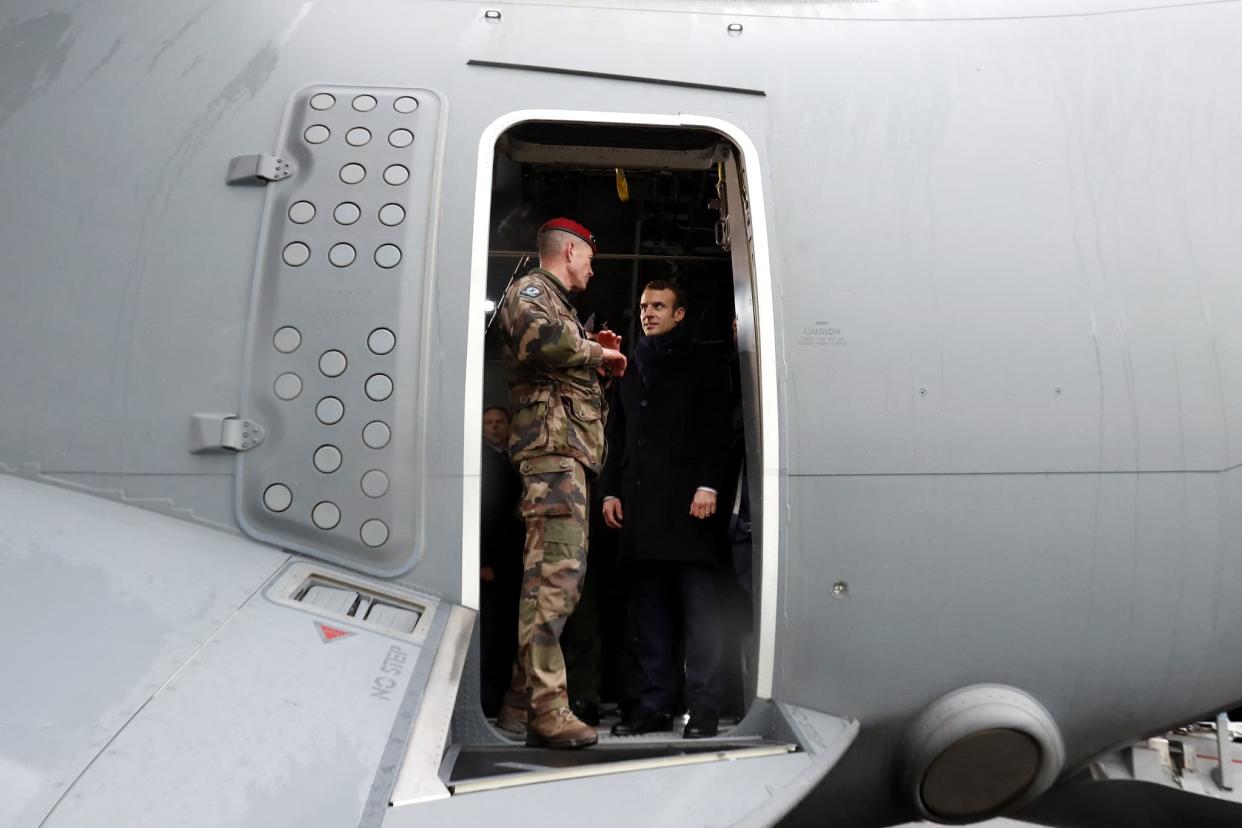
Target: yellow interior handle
<point x="623" y="186"/>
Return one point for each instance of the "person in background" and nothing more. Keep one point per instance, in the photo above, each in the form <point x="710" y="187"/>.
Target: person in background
<point x="501" y="535"/>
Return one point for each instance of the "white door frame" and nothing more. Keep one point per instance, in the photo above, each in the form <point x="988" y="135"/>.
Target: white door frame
<point x="765" y="337"/>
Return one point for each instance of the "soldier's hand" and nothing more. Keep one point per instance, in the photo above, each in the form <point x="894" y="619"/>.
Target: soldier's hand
<point x="704" y="504"/>
<point x="609" y="339"/>
<point x="613" y="364"/>
<point x="487" y="574"/>
<point x="613" y="514"/>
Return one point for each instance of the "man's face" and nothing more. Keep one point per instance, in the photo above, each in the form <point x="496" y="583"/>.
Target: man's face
<point x="578" y="265"/>
<point x="496" y="427"/>
<point x="656" y="312"/>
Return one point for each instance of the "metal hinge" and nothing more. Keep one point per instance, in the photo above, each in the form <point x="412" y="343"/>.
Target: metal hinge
<point x="258" y="169"/>
<point x="223" y="432"/>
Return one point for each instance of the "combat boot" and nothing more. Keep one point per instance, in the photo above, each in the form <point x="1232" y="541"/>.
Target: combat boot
<point x="559" y="729"/>
<point x="511" y="721"/>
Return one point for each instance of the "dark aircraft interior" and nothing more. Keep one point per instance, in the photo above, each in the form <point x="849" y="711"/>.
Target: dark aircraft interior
<point x="651" y="197"/>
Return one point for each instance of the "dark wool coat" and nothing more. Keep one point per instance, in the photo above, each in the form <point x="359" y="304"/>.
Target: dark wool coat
<point x="502" y="533"/>
<point x="664" y="442"/>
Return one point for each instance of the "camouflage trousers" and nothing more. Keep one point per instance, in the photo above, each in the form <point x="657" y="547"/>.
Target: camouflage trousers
<point x="554" y="505"/>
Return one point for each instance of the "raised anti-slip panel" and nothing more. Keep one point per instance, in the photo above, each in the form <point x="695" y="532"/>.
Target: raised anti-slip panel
<point x="332" y="365"/>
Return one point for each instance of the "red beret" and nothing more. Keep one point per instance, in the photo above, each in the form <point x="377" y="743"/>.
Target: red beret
<point x="572" y="227"/>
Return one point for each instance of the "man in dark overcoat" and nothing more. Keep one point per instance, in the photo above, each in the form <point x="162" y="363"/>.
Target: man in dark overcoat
<point x="502" y="535"/>
<point x="668" y="442"/>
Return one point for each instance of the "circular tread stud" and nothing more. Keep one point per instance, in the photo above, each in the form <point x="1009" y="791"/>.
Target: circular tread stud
<point x="322" y="101"/>
<point x="390" y="215"/>
<point x="388" y="256"/>
<point x="375" y="483"/>
<point x="376" y="434"/>
<point x="364" y="103"/>
<point x="296" y="254"/>
<point x="287" y="339"/>
<point x="301" y="212"/>
<point x="405" y="104"/>
<point x="342" y="255"/>
<point x="346" y="213"/>
<point x="329" y="410"/>
<point x="327" y="459"/>
<point x="317" y="134"/>
<point x="277" y="497"/>
<point x="379" y="387"/>
<point x="353" y="173"/>
<point x="374" y="533"/>
<point x="326" y="515"/>
<point x="381" y="341"/>
<point x="332" y="363"/>
<point x="358" y="137"/>
<point x="287" y="386"/>
<point x="396" y="174"/>
<point x="400" y="138"/>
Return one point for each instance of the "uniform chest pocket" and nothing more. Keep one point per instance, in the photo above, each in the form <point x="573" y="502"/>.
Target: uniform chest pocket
<point x="571" y="319"/>
<point x="529" y="430"/>
<point x="586" y="428"/>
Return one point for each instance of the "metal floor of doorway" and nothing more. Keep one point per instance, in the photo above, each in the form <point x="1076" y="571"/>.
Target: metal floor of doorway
<point x="472" y="768"/>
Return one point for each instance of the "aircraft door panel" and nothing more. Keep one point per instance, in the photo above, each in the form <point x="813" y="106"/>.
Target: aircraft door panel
<point x="737" y="228"/>
<point x="332" y="366"/>
<point x="740" y="233"/>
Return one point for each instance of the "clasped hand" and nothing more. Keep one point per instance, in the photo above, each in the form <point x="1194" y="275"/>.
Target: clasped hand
<point x="614" y="362"/>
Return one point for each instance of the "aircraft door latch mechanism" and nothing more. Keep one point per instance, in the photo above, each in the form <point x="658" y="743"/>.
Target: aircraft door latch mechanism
<point x="259" y="169"/>
<point x="224" y="432"/>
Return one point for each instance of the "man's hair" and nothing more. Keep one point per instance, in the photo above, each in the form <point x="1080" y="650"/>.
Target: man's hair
<point x="679" y="292"/>
<point x="499" y="408"/>
<point x="552" y="242"/>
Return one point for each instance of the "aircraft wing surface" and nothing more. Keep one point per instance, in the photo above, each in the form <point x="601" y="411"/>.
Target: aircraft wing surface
<point x="170" y="674"/>
<point x="102" y="604"/>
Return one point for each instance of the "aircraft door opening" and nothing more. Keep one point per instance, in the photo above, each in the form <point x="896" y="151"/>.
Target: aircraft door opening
<point x="679" y="173"/>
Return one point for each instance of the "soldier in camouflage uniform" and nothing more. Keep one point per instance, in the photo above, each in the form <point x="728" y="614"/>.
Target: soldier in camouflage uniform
<point x="557" y="442"/>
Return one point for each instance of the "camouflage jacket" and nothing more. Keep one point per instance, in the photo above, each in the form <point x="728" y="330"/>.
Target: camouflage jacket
<point x="558" y="403"/>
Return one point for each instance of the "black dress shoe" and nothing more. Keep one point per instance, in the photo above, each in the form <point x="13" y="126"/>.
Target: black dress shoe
<point x="701" y="726"/>
<point x="587" y="711"/>
<point x="644" y="721"/>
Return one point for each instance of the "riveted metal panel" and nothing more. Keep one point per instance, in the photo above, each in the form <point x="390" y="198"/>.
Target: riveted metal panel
<point x="332" y="356"/>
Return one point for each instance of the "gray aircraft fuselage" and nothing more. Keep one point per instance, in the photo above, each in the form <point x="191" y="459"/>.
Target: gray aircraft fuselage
<point x="997" y="326"/>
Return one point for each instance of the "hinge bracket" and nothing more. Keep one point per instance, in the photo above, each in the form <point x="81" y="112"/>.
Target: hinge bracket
<point x="259" y="169"/>
<point x="223" y="432"/>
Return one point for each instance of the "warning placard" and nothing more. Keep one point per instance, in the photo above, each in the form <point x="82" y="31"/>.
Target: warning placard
<point x="330" y="634"/>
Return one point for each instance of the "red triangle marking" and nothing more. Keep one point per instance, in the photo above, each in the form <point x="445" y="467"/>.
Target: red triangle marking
<point x="330" y="634"/>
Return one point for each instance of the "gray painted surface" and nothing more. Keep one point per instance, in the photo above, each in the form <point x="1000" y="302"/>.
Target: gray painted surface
<point x="103" y="604"/>
<point x="269" y="723"/>
<point x="719" y="793"/>
<point x="1004" y="244"/>
<point x="362" y="280"/>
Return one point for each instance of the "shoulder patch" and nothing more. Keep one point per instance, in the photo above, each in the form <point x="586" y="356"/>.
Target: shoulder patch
<point x="531" y="292"/>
